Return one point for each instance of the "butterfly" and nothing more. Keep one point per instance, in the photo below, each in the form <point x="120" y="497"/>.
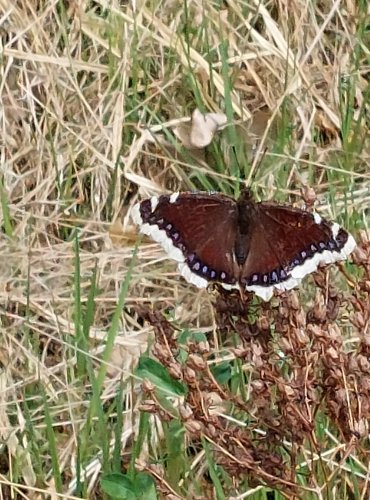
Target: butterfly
<point x="257" y="247"/>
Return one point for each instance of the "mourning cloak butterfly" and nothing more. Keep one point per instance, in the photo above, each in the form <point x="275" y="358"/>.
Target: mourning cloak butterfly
<point x="256" y="246"/>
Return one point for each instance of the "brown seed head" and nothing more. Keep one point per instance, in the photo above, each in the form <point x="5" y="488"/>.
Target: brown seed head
<point x="318" y="310"/>
<point x="190" y="376"/>
<point x="147" y="386"/>
<point x="363" y="363"/>
<point x="364" y="238"/>
<point x="258" y="386"/>
<point x="186" y="412"/>
<point x="359" y="256"/>
<point x="293" y="301"/>
<point x="263" y="323"/>
<point x="203" y="347"/>
<point x="175" y="371"/>
<point x="358" y="320"/>
<point x="149" y="406"/>
<point x="332" y="354"/>
<point x="197" y="362"/>
<point x="194" y="427"/>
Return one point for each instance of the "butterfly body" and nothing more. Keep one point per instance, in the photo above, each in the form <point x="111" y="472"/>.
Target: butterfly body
<point x="241" y="243"/>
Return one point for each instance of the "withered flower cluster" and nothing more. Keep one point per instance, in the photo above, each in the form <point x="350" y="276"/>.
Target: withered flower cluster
<point x="305" y="382"/>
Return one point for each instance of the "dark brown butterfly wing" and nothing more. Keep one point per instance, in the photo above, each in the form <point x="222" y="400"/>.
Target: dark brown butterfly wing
<point x="196" y="229"/>
<point x="286" y="244"/>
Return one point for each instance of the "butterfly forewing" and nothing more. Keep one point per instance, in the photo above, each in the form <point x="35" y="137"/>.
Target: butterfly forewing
<point x="202" y="227"/>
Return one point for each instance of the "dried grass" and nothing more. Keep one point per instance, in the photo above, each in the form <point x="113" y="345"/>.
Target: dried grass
<point x="89" y="93"/>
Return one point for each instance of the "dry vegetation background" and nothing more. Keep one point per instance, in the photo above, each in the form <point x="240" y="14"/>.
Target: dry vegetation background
<point x="91" y="95"/>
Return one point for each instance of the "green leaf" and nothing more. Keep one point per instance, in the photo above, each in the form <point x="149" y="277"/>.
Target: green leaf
<point x="118" y="486"/>
<point x="157" y="374"/>
<point x="121" y="487"/>
<point x="145" y="487"/>
<point x="174" y="433"/>
<point x="222" y="372"/>
<point x="193" y="336"/>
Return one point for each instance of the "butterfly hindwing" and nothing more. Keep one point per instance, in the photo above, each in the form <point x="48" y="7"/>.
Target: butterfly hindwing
<point x="287" y="244"/>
